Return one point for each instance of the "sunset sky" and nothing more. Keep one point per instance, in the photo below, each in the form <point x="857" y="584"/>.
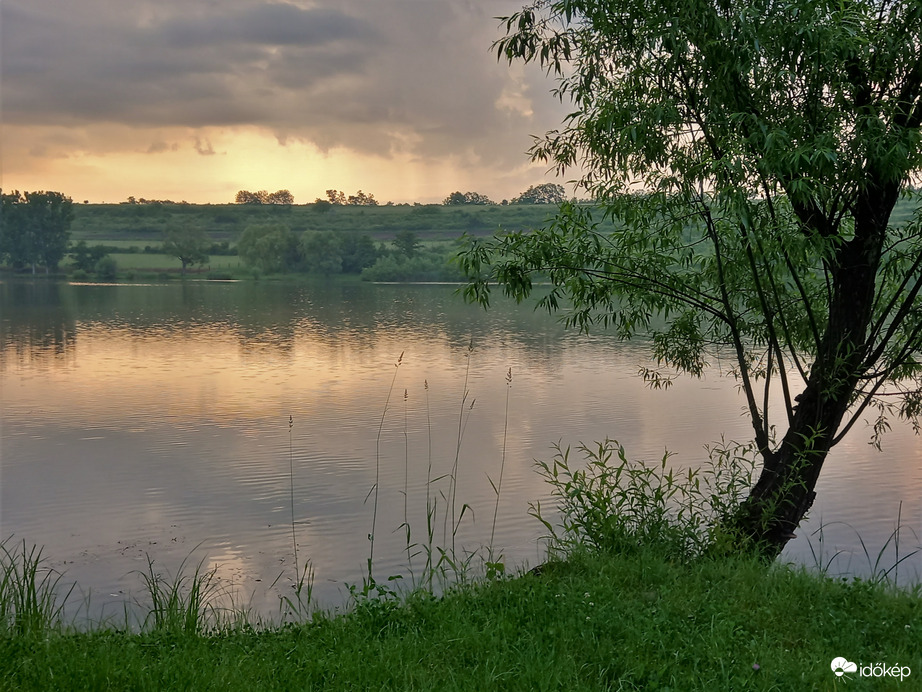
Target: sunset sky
<point x="196" y="99"/>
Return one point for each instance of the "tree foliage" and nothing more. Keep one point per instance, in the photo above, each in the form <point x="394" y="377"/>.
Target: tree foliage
<point x="457" y="198"/>
<point x="406" y="243"/>
<point x="357" y="251"/>
<point x="359" y="199"/>
<point x="336" y="197"/>
<point x="273" y="248"/>
<point x="268" y="247"/>
<point x="85" y="257"/>
<point x="34" y="228"/>
<point x="283" y="197"/>
<point x="750" y="155"/>
<point x="546" y="193"/>
<point x="189" y="244"/>
<point x="321" y="251"/>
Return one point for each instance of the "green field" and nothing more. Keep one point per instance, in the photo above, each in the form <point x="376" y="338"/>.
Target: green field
<point x="135" y="232"/>
<point x="145" y="224"/>
<point x="146" y="262"/>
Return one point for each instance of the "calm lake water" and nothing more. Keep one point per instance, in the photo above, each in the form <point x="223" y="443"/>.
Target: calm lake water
<point x="153" y="422"/>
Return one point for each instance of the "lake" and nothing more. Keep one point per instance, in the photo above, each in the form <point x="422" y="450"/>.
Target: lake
<point x="189" y="420"/>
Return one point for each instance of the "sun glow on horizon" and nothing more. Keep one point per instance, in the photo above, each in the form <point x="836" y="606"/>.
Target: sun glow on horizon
<point x="210" y="166"/>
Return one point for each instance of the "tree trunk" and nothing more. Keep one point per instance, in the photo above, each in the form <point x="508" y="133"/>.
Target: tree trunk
<point x="765" y="521"/>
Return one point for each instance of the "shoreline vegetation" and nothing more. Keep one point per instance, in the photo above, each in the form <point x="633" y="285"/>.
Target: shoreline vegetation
<point x="635" y="595"/>
<point x="386" y="243"/>
<point x="126" y="242"/>
<point x="636" y="621"/>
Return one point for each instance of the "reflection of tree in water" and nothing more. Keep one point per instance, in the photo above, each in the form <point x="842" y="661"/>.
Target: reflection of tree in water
<point x="40" y="318"/>
<point x="36" y="324"/>
<point x="364" y="313"/>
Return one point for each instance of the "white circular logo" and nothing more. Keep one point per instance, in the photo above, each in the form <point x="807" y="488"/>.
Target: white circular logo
<point x="840" y="666"/>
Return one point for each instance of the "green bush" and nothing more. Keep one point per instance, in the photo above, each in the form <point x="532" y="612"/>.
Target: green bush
<point x="106" y="269"/>
<point x="615" y="505"/>
<point x="428" y="266"/>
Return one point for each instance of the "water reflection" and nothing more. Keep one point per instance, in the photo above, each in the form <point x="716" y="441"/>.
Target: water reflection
<point x="148" y="420"/>
<point x="36" y="325"/>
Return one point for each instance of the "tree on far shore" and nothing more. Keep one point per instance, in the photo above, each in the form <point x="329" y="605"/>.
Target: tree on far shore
<point x="282" y="197"/>
<point x="35" y="228"/>
<point x="188" y="244"/>
<point x="546" y="193"/>
<point x="269" y="247"/>
<point x="458" y="198"/>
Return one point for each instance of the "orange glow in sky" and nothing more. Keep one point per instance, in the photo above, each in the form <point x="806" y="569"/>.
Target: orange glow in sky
<point x="188" y="100"/>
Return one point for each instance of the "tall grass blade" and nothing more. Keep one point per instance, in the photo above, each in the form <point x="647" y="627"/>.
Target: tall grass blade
<point x="499" y="486"/>
<point x="30" y="603"/>
<point x="374" y="513"/>
<point x="291" y="471"/>
<point x="453" y="478"/>
<point x="183" y="603"/>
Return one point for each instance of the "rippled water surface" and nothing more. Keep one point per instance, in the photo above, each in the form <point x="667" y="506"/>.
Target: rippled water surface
<point x="164" y="422"/>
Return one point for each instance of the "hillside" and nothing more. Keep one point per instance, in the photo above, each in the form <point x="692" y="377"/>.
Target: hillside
<point x="145" y="223"/>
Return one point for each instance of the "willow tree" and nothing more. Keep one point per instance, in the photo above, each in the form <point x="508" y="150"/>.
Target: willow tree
<point x="746" y="158"/>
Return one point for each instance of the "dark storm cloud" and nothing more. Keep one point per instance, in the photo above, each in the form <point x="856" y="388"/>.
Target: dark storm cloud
<point x="409" y="75"/>
<point x="210" y="68"/>
<point x="266" y="24"/>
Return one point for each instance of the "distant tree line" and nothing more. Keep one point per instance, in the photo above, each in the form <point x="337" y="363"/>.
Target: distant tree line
<point x="272" y="248"/>
<point x="359" y="199"/>
<point x="545" y="193"/>
<point x="263" y="197"/>
<point x="457" y="198"/>
<point x="142" y="200"/>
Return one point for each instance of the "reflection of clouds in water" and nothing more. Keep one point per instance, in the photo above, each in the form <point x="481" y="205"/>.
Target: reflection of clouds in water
<point x="162" y="439"/>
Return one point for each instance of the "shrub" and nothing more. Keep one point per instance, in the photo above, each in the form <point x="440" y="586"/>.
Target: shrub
<point x="616" y="505"/>
<point x="106" y="269"/>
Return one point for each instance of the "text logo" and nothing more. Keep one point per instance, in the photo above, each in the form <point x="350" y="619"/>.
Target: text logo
<point x="840" y="666"/>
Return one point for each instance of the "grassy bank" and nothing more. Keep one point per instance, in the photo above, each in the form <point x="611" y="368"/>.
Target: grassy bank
<point x="643" y="601"/>
<point x="637" y="622"/>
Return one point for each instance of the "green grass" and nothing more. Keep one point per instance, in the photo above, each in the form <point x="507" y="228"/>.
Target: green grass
<point x="144" y="224"/>
<point x="145" y="262"/>
<point x="438" y="228"/>
<point x="30" y="603"/>
<point x="592" y="623"/>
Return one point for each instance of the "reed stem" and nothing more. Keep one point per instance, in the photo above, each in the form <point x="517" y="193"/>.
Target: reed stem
<point x="291" y="476"/>
<point x="374" y="514"/>
<point x="502" y="465"/>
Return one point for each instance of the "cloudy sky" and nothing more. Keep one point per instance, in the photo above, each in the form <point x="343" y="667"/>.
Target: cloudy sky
<point x="196" y="99"/>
